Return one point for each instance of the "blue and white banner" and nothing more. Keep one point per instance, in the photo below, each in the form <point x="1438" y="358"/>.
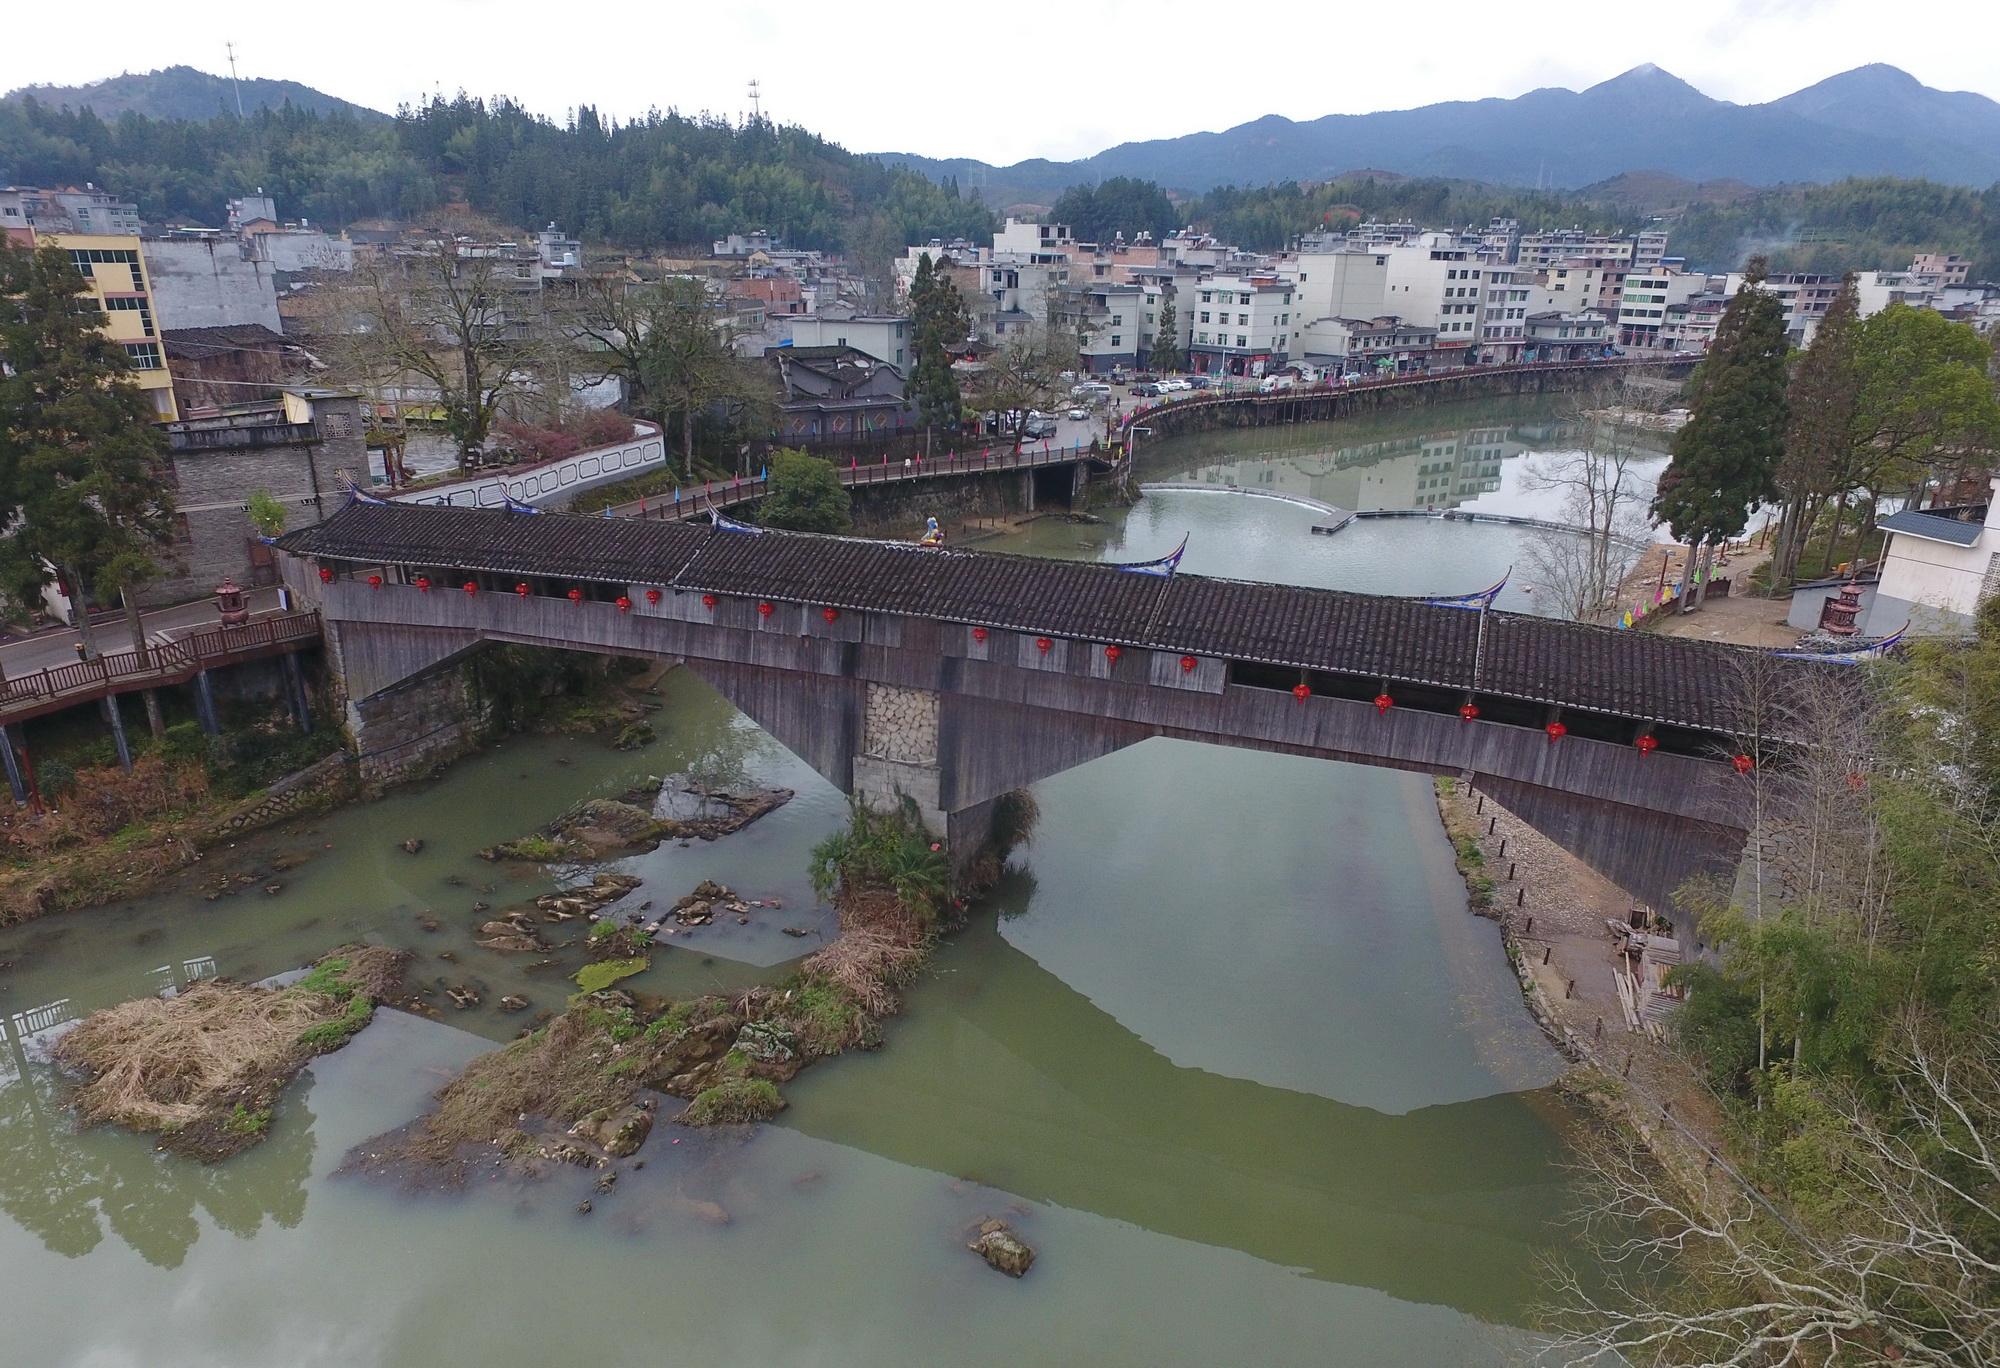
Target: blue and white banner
<point x="731" y="525"/>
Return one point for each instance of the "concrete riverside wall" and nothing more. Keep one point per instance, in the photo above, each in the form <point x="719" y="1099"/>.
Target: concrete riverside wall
<point x="839" y="694"/>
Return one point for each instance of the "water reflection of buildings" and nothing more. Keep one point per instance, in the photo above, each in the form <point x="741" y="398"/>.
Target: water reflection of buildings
<point x="1427" y="470"/>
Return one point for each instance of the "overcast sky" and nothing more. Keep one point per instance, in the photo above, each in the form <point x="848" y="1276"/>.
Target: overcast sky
<point x="995" y="81"/>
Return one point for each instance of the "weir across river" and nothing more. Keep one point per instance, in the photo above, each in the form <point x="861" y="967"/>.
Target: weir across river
<point x="954" y="676"/>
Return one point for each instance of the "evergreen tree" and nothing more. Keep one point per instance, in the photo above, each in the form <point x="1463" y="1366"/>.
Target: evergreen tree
<point x="1166" y="353"/>
<point x="804" y="495"/>
<point x="1821" y="398"/>
<point x="938" y="320"/>
<point x="85" y="480"/>
<point x="1725" y="461"/>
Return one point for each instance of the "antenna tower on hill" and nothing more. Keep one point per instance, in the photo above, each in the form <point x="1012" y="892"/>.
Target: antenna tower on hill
<point x="231" y="49"/>
<point x="756" y="102"/>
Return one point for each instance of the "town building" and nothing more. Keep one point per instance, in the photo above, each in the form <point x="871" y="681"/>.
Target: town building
<point x="300" y="448"/>
<point x="1503" y="328"/>
<point x="886" y="337"/>
<point x="88" y="212"/>
<point x="114" y="270"/>
<point x="1241" y="325"/>
<point x="1559" y="336"/>
<point x="202" y="279"/>
<point x="1937" y="567"/>
<point x="1114" y="337"/>
<point x="223" y="367"/>
<point x="1644" y="298"/>
<point x="835" y="395"/>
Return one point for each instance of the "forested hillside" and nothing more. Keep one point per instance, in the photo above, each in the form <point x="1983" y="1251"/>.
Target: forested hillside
<point x="663" y="180"/>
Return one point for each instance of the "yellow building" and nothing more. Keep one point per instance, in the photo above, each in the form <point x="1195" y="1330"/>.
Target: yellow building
<point x="114" y="267"/>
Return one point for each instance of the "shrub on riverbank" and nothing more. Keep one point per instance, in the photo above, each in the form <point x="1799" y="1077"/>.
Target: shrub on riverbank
<point x="204" y="1068"/>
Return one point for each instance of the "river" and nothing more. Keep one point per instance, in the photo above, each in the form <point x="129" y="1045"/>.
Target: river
<point x="1225" y="1046"/>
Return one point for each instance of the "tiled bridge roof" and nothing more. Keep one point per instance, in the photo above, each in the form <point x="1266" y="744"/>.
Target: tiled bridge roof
<point x="1640" y="675"/>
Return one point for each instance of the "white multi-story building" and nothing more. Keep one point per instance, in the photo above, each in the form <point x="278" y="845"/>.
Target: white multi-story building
<point x="1338" y="283"/>
<point x="1241" y="325"/>
<point x="88" y="212"/>
<point x="886" y="337"/>
<point x="1645" y="298"/>
<point x="1441" y="282"/>
<point x="1805" y="298"/>
<point x="1542" y="249"/>
<point x="1031" y="239"/>
<point x="1503" y="328"/>
<point x="1113" y="334"/>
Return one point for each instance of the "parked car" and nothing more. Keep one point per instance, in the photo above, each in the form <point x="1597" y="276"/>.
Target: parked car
<point x="1077" y="415"/>
<point x="1145" y="391"/>
<point x="1276" y="382"/>
<point x="1089" y="388"/>
<point x="1200" y="382"/>
<point x="1173" y="385"/>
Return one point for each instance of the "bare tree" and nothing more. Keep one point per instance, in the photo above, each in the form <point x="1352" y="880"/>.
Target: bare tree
<point x="1024" y="374"/>
<point x="1890" y="1257"/>
<point x="449" y="324"/>
<point x="1603" y="499"/>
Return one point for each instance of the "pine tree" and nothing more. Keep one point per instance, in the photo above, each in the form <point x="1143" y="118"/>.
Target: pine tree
<point x="1821" y="433"/>
<point x="1166" y="353"/>
<point x="938" y="321"/>
<point x="85" y="480"/>
<point x="1725" y="461"/>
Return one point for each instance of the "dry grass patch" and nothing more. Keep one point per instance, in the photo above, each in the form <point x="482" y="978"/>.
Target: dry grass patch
<point x="204" y="1068"/>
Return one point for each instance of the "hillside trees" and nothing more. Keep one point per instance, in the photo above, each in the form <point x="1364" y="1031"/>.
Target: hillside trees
<point x="1122" y="204"/>
<point x="85" y="481"/>
<point x="1725" y="460"/>
<point x="1818" y="442"/>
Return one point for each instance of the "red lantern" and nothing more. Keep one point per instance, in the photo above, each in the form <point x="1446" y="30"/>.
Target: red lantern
<point x="374" y="581"/>
<point x="829" y="613"/>
<point x="521" y="589"/>
<point x="1383" y="703"/>
<point x="624" y="604"/>
<point x="1467" y="711"/>
<point x="576" y="596"/>
<point x="708" y="602"/>
<point x="470" y="588"/>
<point x="1744" y="764"/>
<point x="1556" y="730"/>
<point x="1647" y="744"/>
<point x="326" y="577"/>
<point x="1111" y="653"/>
<point x="766" y="609"/>
<point x="423" y="583"/>
<point x="979" y="634"/>
<point x="1300" y="691"/>
<point x="652" y="596"/>
<point x="1042" y="644"/>
<point x="1188" y="663"/>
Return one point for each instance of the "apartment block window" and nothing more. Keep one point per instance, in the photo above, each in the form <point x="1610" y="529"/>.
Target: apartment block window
<point x="144" y="355"/>
<point x="1201" y="337"/>
<point x="1116" y="340"/>
<point x="1205" y="295"/>
<point x="1149" y="318"/>
<point x="1242" y="341"/>
<point x="1243" y="320"/>
<point x="1204" y="315"/>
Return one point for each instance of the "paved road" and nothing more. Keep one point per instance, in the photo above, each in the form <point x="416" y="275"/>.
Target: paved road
<point x="58" y="646"/>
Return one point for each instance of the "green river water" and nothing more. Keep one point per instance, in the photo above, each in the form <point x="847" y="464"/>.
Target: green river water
<point x="1225" y="1046"/>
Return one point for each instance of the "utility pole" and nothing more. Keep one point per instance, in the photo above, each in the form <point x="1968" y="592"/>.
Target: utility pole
<point x="231" y="49"/>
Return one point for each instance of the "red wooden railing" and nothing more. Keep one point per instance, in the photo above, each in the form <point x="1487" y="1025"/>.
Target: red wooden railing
<point x="167" y="662"/>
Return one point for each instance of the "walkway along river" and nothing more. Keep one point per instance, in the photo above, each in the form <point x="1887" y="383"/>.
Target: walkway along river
<point x="1227" y="1049"/>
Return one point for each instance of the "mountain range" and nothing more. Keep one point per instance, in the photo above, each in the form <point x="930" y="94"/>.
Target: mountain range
<point x="181" y="92"/>
<point x="1875" y="120"/>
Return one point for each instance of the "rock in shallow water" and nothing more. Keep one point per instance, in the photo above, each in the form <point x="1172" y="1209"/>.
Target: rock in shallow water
<point x="1002" y="1248"/>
